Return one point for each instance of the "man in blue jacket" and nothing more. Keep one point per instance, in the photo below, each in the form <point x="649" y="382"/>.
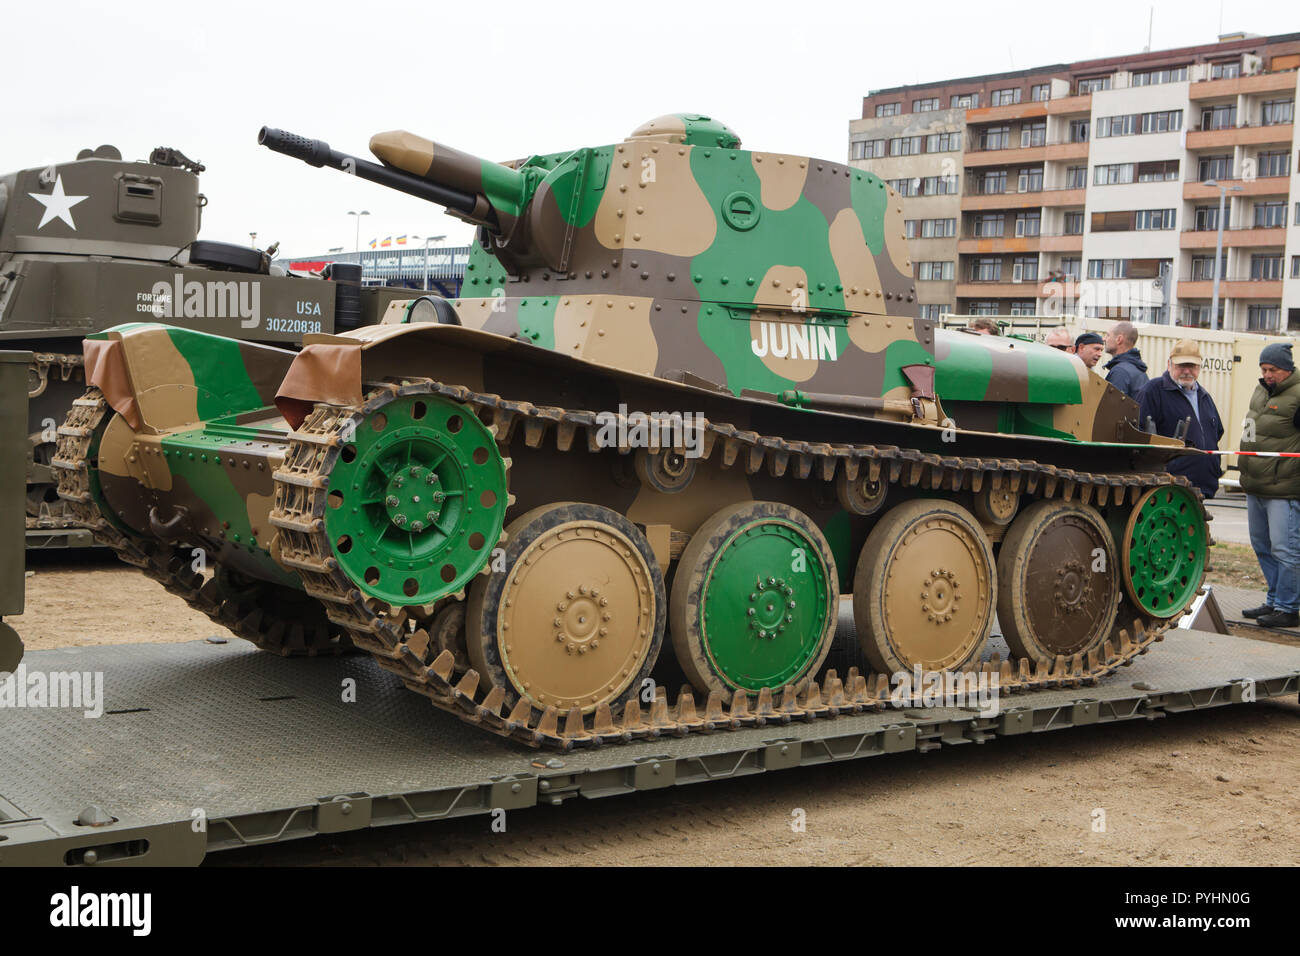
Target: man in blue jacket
<point x="1126" y="371"/>
<point x="1181" y="408"/>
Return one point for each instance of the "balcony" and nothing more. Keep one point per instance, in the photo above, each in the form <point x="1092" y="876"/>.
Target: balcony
<point x="1070" y="105"/>
<point x="1024" y="155"/>
<point x="1061" y="243"/>
<point x="1277" y="134"/>
<point x="1233" y="238"/>
<point x="1229" y="288"/>
<point x="994" y="244"/>
<point x="1265" y="186"/>
<point x="1007" y="199"/>
<point x="1259" y="83"/>
<point x="993" y="114"/>
<point x="998" y="290"/>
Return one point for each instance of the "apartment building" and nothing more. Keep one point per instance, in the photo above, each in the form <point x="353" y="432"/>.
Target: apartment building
<point x="1095" y="185"/>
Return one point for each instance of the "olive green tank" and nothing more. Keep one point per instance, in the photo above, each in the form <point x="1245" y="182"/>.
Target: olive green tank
<point x="91" y="243"/>
<point x="685" y="405"/>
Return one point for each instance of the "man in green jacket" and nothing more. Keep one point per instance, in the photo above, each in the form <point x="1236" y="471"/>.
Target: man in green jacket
<point x="1272" y="485"/>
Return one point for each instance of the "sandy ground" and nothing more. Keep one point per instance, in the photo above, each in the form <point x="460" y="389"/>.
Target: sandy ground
<point x="1210" y="788"/>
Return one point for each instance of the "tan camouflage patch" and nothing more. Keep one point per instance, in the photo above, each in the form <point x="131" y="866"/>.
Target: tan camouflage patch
<point x="895" y="238"/>
<point x="711" y="489"/>
<point x="789" y="344"/>
<point x="784" y="288"/>
<point x="875" y="333"/>
<point x="782" y="178"/>
<point x="115" y="446"/>
<point x="162" y="380"/>
<point x="667" y="129"/>
<point x="856" y="264"/>
<point x="609" y="330"/>
<point x="653" y="202"/>
<point x="259" y="512"/>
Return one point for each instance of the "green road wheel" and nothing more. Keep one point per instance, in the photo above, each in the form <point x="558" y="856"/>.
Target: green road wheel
<point x="417" y="500"/>
<point x="1164" y="550"/>
<point x="754" y="601"/>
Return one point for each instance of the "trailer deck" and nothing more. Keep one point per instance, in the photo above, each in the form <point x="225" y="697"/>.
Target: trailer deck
<point x="205" y="746"/>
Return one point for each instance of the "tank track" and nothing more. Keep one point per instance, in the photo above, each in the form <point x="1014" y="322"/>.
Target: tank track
<point x="63" y="518"/>
<point x="253" y="620"/>
<point x="391" y="636"/>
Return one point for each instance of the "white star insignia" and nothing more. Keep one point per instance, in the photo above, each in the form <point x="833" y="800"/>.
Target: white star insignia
<point x="57" y="205"/>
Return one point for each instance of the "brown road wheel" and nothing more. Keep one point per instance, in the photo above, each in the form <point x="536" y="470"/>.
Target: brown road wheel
<point x="577" y="617"/>
<point x="754" y="600"/>
<point x="1059" y="581"/>
<point x="924" y="588"/>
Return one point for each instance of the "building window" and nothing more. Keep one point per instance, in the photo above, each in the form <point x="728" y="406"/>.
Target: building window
<point x="1076" y="177"/>
<point x="1074" y="224"/>
<point x="1264" y="268"/>
<point x="934" y="271"/>
<point x="1107" y="268"/>
<point x="1029" y="223"/>
<point x="905" y="187"/>
<point x="1093" y="84"/>
<point x="1274" y="163"/>
<point x="942" y="142"/>
<point x="1270" y="215"/>
<point x="1277" y="112"/>
<point x="1159" y="171"/>
<point x="1112" y="174"/>
<point x="1203" y="267"/>
<point x="1154" y="219"/>
<point x="1024" y="269"/>
<point x="1225" y="71"/>
<point x="988" y="225"/>
<point x="1078" y="131"/>
<point x="869" y="149"/>
<point x="934" y="312"/>
<point x="940" y="185"/>
<point x="1070" y="267"/>
<point x="1030" y="180"/>
<point x="1117" y="125"/>
<point x="1223" y="116"/>
<point x="1207" y="218"/>
<point x="991" y="182"/>
<point x="993" y="137"/>
<point x="964" y="101"/>
<point x="1213" y="167"/>
<point x="1295" y="267"/>
<point x="930" y="228"/>
<point x="1263" y="318"/>
<point x="888" y="109"/>
<point x="1033" y="134"/>
<point x="1176" y="74"/>
<point x="1005" y="97"/>
<point x="1040" y="91"/>
<point x="984" y="307"/>
<point x="926" y="105"/>
<point x="1024" y="307"/>
<point x="986" y="269"/>
<point x="905" y="146"/>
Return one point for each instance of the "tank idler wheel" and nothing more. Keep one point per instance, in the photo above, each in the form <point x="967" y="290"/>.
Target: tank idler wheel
<point x="667" y="471"/>
<point x="754" y="600"/>
<point x="1058" y="577"/>
<point x="1164" y="550"/>
<point x="861" y="496"/>
<point x="924" y="588"/>
<point x="577" y="617"/>
<point x="447" y="633"/>
<point x="996" y="506"/>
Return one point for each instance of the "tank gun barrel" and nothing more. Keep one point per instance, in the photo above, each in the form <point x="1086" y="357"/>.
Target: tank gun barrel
<point x="317" y="152"/>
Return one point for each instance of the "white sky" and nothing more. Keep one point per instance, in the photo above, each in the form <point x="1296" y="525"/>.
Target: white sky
<point x="504" y="79"/>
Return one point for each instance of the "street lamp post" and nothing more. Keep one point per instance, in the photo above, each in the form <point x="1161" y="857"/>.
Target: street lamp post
<point x="426" y="258"/>
<point x="1218" y="251"/>
<point x="253" y="237"/>
<point x="364" y="212"/>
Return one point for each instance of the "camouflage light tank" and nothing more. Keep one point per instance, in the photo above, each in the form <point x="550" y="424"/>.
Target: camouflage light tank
<point x="86" y="244"/>
<point x="686" y="392"/>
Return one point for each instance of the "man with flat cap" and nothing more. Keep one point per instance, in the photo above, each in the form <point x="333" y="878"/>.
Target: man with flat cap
<point x="1089" y="347"/>
<point x="1272" y="485"/>
<point x="1180" y="408"/>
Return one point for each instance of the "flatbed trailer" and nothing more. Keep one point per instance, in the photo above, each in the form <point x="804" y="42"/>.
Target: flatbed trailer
<point x="204" y="747"/>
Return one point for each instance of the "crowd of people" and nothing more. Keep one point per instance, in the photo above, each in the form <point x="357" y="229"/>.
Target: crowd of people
<point x="1175" y="405"/>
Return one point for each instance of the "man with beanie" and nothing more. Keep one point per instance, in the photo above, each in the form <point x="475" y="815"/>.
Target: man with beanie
<point x="1126" y="371"/>
<point x="1180" y="408"/>
<point x="1089" y="347"/>
<point x="1272" y="485"/>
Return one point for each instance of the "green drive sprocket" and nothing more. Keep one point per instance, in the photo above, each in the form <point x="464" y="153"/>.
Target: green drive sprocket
<point x="1164" y="550"/>
<point x="417" y="500"/>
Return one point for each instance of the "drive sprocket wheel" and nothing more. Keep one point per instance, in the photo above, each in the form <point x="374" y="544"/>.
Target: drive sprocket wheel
<point x="924" y="588"/>
<point x="1058" y="581"/>
<point x="577" y="617"/>
<point x="417" y="500"/>
<point x="1164" y="550"/>
<point x="754" y="600"/>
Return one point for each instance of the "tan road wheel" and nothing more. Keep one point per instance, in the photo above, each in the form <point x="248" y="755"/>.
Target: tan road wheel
<point x="1058" y="581"/>
<point x="924" y="588"/>
<point x="754" y="600"/>
<point x="577" y="617"/>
